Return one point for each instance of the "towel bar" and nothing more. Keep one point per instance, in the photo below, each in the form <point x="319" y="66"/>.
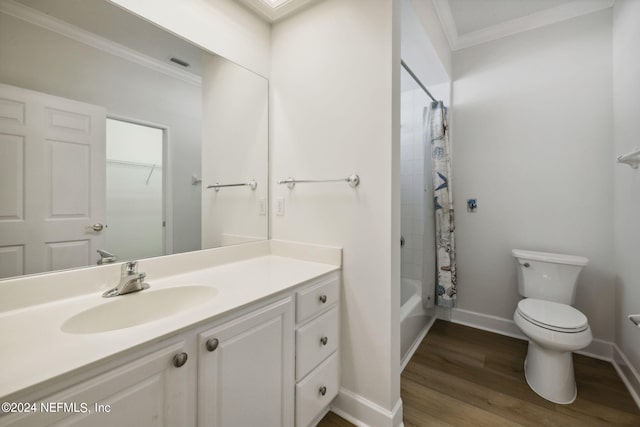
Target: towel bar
<point x="352" y="180"/>
<point x="253" y="184"/>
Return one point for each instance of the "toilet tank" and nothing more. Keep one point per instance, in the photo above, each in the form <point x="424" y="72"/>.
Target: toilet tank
<point x="548" y="276"/>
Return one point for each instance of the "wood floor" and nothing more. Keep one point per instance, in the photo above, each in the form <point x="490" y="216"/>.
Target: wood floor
<point x="461" y="376"/>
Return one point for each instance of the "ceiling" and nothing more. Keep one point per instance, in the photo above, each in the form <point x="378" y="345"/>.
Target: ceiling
<point x="112" y="23"/>
<point x="275" y="10"/>
<point x="471" y="22"/>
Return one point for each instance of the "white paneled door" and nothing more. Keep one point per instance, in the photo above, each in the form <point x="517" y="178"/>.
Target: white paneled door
<point x="52" y="182"/>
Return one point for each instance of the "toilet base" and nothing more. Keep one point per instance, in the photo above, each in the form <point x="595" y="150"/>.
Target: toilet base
<point x="550" y="374"/>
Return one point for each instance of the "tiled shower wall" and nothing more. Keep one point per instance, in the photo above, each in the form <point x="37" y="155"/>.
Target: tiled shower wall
<point x="413" y="116"/>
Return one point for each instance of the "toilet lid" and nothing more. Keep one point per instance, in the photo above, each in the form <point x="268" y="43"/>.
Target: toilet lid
<point x="552" y="315"/>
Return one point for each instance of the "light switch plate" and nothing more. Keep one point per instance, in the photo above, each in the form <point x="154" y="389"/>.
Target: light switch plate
<point x="262" y="207"/>
<point x="280" y="206"/>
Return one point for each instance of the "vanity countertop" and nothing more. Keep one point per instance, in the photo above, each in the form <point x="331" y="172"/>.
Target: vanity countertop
<point x="34" y="349"/>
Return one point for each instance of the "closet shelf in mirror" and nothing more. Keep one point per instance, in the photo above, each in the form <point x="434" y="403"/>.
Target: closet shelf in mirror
<point x="129" y="163"/>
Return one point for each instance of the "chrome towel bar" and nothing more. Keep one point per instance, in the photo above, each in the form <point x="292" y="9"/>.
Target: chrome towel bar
<point x="252" y="184"/>
<point x="352" y="180"/>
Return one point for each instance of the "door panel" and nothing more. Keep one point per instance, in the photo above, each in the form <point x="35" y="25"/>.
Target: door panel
<point x="52" y="181"/>
<point x="11" y="177"/>
<point x="11" y="261"/>
<point x="11" y="111"/>
<point x="70" y="174"/>
<point x="63" y="255"/>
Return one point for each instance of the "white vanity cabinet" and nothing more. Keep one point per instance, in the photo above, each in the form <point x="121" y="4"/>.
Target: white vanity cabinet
<point x="317" y="339"/>
<point x="245" y="375"/>
<point x="151" y="389"/>
<point x="269" y="363"/>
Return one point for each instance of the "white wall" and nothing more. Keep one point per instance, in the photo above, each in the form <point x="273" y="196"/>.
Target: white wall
<point x="126" y="89"/>
<point x="235" y="150"/>
<point x="532" y="142"/>
<point x="335" y="106"/>
<point x="224" y="27"/>
<point x="626" y="87"/>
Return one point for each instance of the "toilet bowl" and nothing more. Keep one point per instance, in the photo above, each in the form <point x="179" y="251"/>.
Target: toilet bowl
<point x="554" y="328"/>
<point x="554" y="331"/>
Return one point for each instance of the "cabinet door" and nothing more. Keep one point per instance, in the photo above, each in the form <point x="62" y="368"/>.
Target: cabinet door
<point x="150" y="391"/>
<point x="245" y="373"/>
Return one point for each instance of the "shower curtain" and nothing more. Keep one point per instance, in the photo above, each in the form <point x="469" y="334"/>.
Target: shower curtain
<point x="443" y="205"/>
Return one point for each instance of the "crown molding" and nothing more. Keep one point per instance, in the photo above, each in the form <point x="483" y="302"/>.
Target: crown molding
<point x="274" y="10"/>
<point x="443" y="10"/>
<point x="529" y="22"/>
<point x="32" y="16"/>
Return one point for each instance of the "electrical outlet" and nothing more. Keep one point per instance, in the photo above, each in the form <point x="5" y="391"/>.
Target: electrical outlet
<point x="280" y="206"/>
<point x="262" y="207"/>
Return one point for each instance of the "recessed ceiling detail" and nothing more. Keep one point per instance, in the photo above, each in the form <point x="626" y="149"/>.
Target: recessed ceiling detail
<point x="274" y="10"/>
<point x="470" y="22"/>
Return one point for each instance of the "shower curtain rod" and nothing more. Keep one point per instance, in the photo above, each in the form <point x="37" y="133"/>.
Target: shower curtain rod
<point x="406" y="67"/>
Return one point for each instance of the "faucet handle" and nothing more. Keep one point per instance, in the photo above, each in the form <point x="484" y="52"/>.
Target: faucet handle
<point x="130" y="267"/>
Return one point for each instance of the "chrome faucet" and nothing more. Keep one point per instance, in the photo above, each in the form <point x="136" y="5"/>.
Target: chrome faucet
<point x="106" y="257"/>
<point x="130" y="281"/>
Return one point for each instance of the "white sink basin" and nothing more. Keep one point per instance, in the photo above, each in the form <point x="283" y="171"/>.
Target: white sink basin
<point x="133" y="309"/>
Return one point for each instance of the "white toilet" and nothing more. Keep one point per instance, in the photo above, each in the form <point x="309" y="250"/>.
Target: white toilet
<point x="545" y="316"/>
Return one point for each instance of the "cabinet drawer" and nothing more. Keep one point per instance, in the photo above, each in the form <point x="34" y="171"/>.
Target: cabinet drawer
<point x="309" y="398"/>
<point x="313" y="300"/>
<point x="315" y="341"/>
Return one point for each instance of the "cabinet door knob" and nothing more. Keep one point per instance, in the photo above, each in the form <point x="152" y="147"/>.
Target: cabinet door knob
<point x="324" y="340"/>
<point x="323" y="390"/>
<point x="180" y="359"/>
<point x="212" y="344"/>
<point x="323" y="298"/>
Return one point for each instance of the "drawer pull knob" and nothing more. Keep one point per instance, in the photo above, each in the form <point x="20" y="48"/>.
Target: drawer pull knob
<point x="212" y="344"/>
<point x="323" y="298"/>
<point x="324" y="340"/>
<point x="180" y="359"/>
<point x="323" y="390"/>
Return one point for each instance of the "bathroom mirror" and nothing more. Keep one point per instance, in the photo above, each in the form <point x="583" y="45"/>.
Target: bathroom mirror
<point x="111" y="132"/>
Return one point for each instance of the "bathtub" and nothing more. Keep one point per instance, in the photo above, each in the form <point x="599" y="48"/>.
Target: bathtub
<point x="415" y="320"/>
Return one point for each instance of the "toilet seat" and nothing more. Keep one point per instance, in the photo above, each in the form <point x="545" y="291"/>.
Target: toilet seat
<point x="552" y="315"/>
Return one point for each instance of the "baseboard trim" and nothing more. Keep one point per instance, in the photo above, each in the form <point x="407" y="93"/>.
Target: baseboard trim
<point x="598" y="349"/>
<point x="364" y="413"/>
<point x="486" y="322"/>
<point x="627" y="372"/>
